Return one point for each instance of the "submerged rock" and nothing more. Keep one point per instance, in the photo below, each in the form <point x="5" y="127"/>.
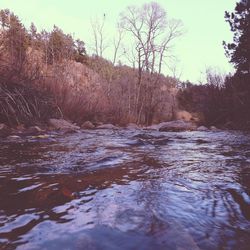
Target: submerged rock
<point x="87" y="125"/>
<point x="63" y="125"/>
<point x="107" y="126"/>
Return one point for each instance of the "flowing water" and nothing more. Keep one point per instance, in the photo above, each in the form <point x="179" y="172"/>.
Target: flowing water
<point x="126" y="189"/>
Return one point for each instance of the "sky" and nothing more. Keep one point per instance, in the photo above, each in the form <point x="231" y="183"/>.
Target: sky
<point x="199" y="48"/>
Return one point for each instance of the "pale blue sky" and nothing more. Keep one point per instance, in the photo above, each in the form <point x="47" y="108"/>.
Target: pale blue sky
<point x="200" y="47"/>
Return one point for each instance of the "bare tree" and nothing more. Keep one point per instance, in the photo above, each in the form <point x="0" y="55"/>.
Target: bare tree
<point x="153" y="35"/>
<point x="117" y="43"/>
<point x="152" y="32"/>
<point x="215" y="77"/>
<point x="100" y="40"/>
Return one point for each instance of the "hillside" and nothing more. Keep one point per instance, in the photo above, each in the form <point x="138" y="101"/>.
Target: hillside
<point x="49" y="74"/>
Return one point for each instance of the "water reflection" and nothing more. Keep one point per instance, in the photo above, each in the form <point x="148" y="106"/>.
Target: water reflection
<point x="126" y="190"/>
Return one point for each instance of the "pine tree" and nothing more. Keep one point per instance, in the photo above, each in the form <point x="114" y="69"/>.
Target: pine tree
<point x="239" y="50"/>
<point x="14" y="37"/>
<point x="60" y="46"/>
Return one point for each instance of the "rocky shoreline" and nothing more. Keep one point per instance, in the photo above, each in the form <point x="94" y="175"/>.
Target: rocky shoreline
<point x="55" y="126"/>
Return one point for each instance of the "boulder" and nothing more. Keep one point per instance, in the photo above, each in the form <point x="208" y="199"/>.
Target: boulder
<point x="98" y="124"/>
<point x="107" y="126"/>
<point x="87" y="125"/>
<point x="183" y="115"/>
<point x="173" y="126"/>
<point x="62" y="125"/>
<point x="202" y="128"/>
<point x="213" y="128"/>
<point x="4" y="130"/>
<point x="132" y="126"/>
<point x="177" y="126"/>
<point x="155" y="126"/>
<point x="194" y="117"/>
<point x="33" y="130"/>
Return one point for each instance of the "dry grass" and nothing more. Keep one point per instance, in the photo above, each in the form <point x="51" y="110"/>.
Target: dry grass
<point x="23" y="104"/>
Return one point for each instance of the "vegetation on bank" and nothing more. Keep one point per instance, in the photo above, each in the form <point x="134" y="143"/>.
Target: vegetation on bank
<point x="50" y="75"/>
<point x="225" y="101"/>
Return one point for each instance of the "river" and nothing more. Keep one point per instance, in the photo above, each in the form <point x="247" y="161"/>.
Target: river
<point x="126" y="189"/>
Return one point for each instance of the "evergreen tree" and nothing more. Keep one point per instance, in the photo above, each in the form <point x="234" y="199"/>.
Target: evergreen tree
<point x="60" y="46"/>
<point x="14" y="37"/>
<point x="80" y="51"/>
<point x="4" y="18"/>
<point x="239" y="50"/>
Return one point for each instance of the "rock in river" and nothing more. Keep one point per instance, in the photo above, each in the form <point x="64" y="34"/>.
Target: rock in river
<point x="213" y="128"/>
<point x="107" y="126"/>
<point x="132" y="126"/>
<point x="202" y="128"/>
<point x="87" y="125"/>
<point x="34" y="130"/>
<point x="177" y="126"/>
<point x="62" y="125"/>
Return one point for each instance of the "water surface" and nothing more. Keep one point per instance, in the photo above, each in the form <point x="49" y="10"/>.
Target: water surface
<point x="126" y="189"/>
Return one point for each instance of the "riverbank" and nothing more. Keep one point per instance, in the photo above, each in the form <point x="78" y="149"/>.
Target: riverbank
<point x="64" y="127"/>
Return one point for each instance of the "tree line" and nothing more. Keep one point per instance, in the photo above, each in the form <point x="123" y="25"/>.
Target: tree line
<point x="45" y="74"/>
<point x="224" y="101"/>
<point x="55" y="69"/>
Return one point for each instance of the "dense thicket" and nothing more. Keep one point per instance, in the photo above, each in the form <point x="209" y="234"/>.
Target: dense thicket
<point x="24" y="59"/>
<point x="20" y="100"/>
<point x="227" y="105"/>
<point x="120" y="90"/>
